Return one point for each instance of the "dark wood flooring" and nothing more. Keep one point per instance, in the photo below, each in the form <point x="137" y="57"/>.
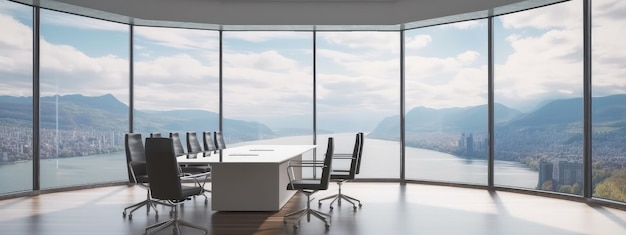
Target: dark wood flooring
<point x="388" y="208"/>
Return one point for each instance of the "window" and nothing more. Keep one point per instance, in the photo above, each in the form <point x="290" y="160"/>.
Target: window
<point x="538" y="91"/>
<point x="609" y="98"/>
<point x="358" y="87"/>
<point x="176" y="81"/>
<point x="84" y="100"/>
<point x="268" y="87"/>
<point x="16" y="97"/>
<point x="446" y="103"/>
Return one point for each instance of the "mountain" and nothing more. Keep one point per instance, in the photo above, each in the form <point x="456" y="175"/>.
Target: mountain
<point x="423" y="119"/>
<point x="570" y="111"/>
<point x="107" y="113"/>
<point x="608" y="111"/>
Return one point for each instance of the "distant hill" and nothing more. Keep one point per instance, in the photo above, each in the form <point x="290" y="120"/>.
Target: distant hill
<point x="107" y="113"/>
<point x="422" y="119"/>
<point x="608" y="111"/>
<point x="570" y="111"/>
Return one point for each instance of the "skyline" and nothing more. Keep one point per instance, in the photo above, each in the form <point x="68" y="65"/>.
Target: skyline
<point x="524" y="35"/>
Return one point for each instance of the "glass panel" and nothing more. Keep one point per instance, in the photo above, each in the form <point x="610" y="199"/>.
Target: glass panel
<point x="538" y="95"/>
<point x="84" y="100"/>
<point x="446" y="103"/>
<point x="609" y="100"/>
<point x="176" y="81"/>
<point x="268" y="87"/>
<point x="16" y="97"/>
<point x="358" y="86"/>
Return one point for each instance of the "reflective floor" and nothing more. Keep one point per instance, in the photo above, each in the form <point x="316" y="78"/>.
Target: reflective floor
<point x="388" y="208"/>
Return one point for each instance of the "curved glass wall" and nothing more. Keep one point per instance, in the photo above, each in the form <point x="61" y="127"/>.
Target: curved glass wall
<point x="609" y="100"/>
<point x="267" y="87"/>
<point x="267" y="95"/>
<point x="176" y="81"/>
<point x="84" y="100"/>
<point x="358" y="86"/>
<point x="446" y="103"/>
<point x="16" y="97"/>
<point x="538" y="96"/>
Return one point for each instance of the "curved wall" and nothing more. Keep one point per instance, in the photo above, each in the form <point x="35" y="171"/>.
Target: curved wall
<point x="354" y="82"/>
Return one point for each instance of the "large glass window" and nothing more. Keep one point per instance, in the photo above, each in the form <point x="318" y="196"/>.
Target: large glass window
<point x="538" y="85"/>
<point x="16" y="97"/>
<point x="446" y="103"/>
<point x="176" y="81"/>
<point x="609" y="100"/>
<point x="358" y="90"/>
<point x="268" y="87"/>
<point x="84" y="100"/>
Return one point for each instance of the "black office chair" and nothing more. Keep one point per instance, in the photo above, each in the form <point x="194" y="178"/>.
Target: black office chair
<point x="344" y="175"/>
<point x="310" y="186"/>
<point x="165" y="182"/>
<point x="137" y="173"/>
<point x="193" y="172"/>
<point x="219" y="140"/>
<point x="208" y="142"/>
<point x="193" y="144"/>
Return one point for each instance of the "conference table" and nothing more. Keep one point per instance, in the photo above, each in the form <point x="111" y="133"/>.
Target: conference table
<point x="251" y="177"/>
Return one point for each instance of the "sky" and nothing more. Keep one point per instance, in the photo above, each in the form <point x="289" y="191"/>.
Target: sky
<point x="538" y="57"/>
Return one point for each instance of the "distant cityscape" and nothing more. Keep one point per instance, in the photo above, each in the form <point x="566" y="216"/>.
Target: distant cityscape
<point x="16" y="143"/>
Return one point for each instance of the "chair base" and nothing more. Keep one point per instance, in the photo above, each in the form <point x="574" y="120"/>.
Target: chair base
<point x="148" y="203"/>
<point x="337" y="197"/>
<point x="175" y="223"/>
<point x="308" y="212"/>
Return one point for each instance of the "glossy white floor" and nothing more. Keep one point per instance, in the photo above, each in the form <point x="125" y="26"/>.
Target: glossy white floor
<point x="388" y="208"/>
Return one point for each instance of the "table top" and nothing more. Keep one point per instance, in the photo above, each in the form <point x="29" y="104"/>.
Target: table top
<point x="248" y="154"/>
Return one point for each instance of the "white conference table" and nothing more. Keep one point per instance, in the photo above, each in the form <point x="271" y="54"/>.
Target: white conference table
<point x="251" y="177"/>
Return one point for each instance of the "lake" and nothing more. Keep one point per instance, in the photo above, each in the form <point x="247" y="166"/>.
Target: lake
<point x="381" y="159"/>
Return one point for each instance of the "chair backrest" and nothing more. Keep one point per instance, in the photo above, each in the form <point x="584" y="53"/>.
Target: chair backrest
<point x="355" y="156"/>
<point x="360" y="155"/>
<point x="219" y="140"/>
<point x="209" y="143"/>
<point x="155" y="135"/>
<point x="135" y="152"/>
<point x="178" y="145"/>
<point x="328" y="160"/>
<point x="163" y="169"/>
<point x="193" y="144"/>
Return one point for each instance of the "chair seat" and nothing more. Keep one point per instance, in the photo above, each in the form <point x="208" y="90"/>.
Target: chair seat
<point x="142" y="178"/>
<point x="188" y="191"/>
<point x="196" y="169"/>
<point x="313" y="184"/>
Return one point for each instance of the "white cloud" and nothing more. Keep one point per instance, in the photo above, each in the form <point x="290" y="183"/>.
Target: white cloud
<point x="386" y="41"/>
<point x="177" y="38"/>
<point x="418" y="41"/>
<point x="468" y="57"/>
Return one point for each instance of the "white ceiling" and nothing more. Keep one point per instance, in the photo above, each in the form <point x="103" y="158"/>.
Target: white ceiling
<point x="292" y="12"/>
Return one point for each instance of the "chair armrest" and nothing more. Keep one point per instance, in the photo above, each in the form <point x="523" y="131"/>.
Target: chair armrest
<point x="132" y="171"/>
<point x="302" y="164"/>
<point x="342" y="156"/>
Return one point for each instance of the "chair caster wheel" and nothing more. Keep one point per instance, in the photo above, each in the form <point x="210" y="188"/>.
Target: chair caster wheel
<point x="354" y="208"/>
<point x="360" y="205"/>
<point x="124" y="214"/>
<point x="331" y="208"/>
<point x="295" y="227"/>
<point x="327" y="226"/>
<point x="130" y="217"/>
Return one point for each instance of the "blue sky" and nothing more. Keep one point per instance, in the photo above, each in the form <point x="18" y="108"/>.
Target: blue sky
<point x="537" y="59"/>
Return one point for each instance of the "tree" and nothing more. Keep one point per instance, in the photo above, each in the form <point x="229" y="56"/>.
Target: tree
<point x="613" y="187"/>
